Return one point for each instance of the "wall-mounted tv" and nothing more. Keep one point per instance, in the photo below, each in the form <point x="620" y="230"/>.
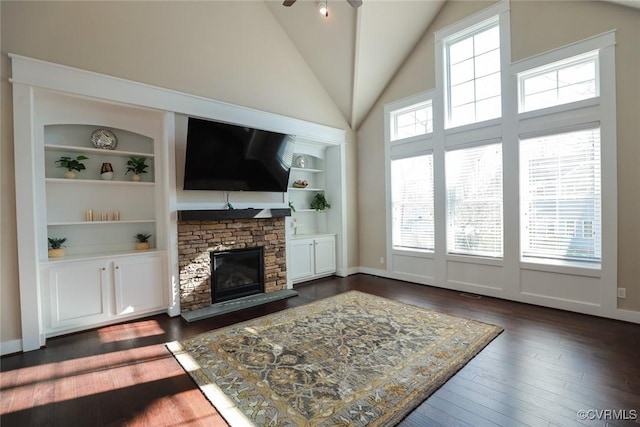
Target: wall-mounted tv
<point x="226" y="157"/>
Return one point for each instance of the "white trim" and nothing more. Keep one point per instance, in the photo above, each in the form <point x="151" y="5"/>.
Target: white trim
<point x="10" y="347"/>
<point x="43" y="74"/>
<point x="597" y="42"/>
<point x="473" y="20"/>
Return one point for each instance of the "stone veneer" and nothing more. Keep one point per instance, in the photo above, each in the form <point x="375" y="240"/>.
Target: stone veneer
<point x="197" y="239"/>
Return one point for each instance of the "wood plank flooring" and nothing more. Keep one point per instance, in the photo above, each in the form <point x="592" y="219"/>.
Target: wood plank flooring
<point x="542" y="370"/>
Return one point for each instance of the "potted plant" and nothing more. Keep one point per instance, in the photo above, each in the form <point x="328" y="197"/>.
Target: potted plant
<point x="56" y="245"/>
<point x="319" y="202"/>
<point x="71" y="165"/>
<point x="143" y="241"/>
<point x="137" y="166"/>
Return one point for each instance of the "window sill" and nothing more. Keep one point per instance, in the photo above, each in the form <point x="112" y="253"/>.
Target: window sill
<point x="477" y="259"/>
<point x="415" y="253"/>
<point x="574" y="268"/>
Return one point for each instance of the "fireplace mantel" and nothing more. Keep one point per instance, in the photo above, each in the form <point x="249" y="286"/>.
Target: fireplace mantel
<point x="220" y="214"/>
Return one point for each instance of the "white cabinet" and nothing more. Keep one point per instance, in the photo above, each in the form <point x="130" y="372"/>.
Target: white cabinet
<point x="78" y="294"/>
<point x="88" y="293"/>
<point x="137" y="285"/>
<point x="312" y="257"/>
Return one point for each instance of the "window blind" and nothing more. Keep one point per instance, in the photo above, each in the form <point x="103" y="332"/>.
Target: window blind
<point x="474" y="200"/>
<point x="412" y="202"/>
<point x="560" y="196"/>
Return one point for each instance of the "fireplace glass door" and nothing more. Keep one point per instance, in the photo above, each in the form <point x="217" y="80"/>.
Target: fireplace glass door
<point x="236" y="273"/>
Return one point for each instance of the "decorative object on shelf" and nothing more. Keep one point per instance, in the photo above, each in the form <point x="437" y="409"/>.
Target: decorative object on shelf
<point x="319" y="202"/>
<point x="88" y="215"/>
<point x="106" y="171"/>
<point x="300" y="184"/>
<point x="137" y="166"/>
<point x="71" y="165"/>
<point x="56" y="245"/>
<point x="143" y="241"/>
<point x="227" y="203"/>
<point x="302" y="161"/>
<point x="104" y="139"/>
<point x="293" y="209"/>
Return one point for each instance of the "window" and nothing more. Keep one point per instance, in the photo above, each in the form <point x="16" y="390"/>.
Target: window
<point x="474" y="200"/>
<point x="412" y="202"/>
<point x="559" y="83"/>
<point x="560" y="196"/>
<point x="412" y="121"/>
<point x="473" y="75"/>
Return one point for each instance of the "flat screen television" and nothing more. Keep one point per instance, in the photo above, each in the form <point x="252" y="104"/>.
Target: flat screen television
<point x="226" y="157"/>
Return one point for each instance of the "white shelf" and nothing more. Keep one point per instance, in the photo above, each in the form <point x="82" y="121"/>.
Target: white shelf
<point x="96" y="182"/>
<point x="74" y="223"/>
<point x="307" y="170"/>
<point x="89" y="150"/>
<point x="307" y="189"/>
<point x="99" y="256"/>
<point x="309" y="210"/>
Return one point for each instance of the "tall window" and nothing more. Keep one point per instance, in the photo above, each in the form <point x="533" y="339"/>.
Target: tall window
<point x="412" y="202"/>
<point x="411" y="121"/>
<point x="473" y="75"/>
<point x="474" y="201"/>
<point x="560" y="196"/>
<point x="559" y="83"/>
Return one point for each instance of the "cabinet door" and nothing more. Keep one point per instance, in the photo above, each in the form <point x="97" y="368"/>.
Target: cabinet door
<point x="139" y="285"/>
<point x="302" y="262"/>
<point x="78" y="294"/>
<point x="325" y="255"/>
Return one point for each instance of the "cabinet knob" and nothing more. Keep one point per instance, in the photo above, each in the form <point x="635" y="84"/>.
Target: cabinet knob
<point x="117" y="267"/>
<point x="103" y="268"/>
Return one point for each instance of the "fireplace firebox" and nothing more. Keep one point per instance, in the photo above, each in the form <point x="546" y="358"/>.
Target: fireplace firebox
<point x="236" y="273"/>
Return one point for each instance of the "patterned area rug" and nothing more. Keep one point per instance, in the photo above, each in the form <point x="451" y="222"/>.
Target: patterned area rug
<point x="350" y="360"/>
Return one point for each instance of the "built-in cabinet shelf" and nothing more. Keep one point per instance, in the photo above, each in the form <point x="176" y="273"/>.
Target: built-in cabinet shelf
<point x="86" y="293"/>
<point x="102" y="278"/>
<point x="120" y="208"/>
<point x="312" y="257"/>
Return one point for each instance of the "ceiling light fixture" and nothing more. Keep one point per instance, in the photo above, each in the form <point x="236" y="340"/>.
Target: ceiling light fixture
<point x="322" y="8"/>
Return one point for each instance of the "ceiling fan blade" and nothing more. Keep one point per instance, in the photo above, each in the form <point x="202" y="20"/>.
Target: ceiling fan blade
<point x="355" y="3"/>
<point x="288" y="2"/>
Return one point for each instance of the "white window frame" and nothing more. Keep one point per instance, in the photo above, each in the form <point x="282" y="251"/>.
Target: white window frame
<point x="573" y="116"/>
<point x="402" y="148"/>
<point x="499" y="13"/>
<point x="428" y="104"/>
<point x="556" y="66"/>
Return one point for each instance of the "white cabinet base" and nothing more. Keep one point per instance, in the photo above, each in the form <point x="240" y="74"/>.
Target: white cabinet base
<point x="312" y="257"/>
<point x="79" y="295"/>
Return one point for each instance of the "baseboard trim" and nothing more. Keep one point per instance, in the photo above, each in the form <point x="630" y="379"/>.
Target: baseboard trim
<point x="10" y="347"/>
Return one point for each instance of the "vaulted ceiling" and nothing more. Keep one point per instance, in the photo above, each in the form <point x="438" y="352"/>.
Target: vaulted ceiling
<point x="356" y="52"/>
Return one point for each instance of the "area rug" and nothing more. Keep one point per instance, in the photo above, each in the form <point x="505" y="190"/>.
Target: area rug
<point x="350" y="360"/>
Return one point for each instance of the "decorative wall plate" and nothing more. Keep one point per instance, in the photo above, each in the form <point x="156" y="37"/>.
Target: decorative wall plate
<point x="302" y="162"/>
<point x="104" y="139"/>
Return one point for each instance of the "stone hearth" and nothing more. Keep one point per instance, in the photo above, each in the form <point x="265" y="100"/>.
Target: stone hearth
<point x="197" y="238"/>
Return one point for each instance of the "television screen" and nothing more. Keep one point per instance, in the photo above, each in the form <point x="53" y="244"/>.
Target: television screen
<point x="227" y="157"/>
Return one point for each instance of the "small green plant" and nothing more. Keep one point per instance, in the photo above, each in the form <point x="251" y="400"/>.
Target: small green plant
<point x="319" y="202"/>
<point x="293" y="209"/>
<point x="136" y="165"/>
<point x="57" y="242"/>
<point x="72" y="164"/>
<point x="142" y="238"/>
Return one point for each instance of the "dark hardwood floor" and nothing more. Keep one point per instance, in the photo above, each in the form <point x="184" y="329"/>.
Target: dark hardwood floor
<point x="546" y="367"/>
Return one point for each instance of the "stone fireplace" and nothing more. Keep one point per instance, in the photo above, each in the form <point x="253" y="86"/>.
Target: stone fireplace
<point x="201" y="233"/>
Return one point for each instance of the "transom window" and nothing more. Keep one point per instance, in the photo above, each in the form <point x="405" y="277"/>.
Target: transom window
<point x="562" y="82"/>
<point x="473" y="75"/>
<point x="412" y="121"/>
